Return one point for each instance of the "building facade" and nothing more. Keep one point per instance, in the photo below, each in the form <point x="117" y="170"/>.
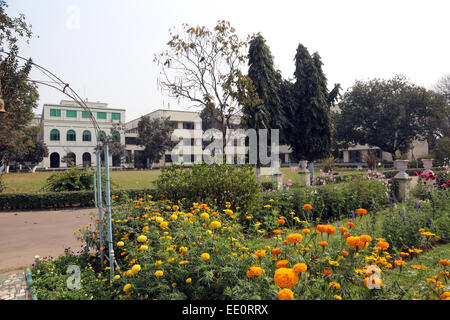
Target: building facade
<point x="70" y="135"/>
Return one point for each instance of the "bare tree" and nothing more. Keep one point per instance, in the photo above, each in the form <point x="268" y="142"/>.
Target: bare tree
<point x="204" y="67"/>
<point x="443" y="87"/>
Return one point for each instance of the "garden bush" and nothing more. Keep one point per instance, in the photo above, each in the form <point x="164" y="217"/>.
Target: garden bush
<point x="70" y="180"/>
<point x="210" y="183"/>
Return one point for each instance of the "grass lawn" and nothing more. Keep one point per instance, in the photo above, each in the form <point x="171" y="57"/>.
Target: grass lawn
<point x="33" y="182"/>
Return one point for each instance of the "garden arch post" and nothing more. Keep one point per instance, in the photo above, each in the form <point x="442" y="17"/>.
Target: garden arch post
<point x="108" y="210"/>
<point x="100" y="206"/>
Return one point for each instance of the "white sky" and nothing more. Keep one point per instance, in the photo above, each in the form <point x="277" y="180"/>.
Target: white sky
<point x="107" y="54"/>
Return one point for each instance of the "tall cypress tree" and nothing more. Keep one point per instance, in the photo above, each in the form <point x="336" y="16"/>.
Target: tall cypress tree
<point x="267" y="82"/>
<point x="310" y="133"/>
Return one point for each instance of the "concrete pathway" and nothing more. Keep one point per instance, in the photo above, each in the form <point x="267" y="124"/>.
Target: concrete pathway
<point x="13" y="286"/>
<point x="26" y="234"/>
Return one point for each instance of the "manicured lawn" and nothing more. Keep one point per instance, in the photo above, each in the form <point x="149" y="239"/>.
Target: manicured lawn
<point x="33" y="182"/>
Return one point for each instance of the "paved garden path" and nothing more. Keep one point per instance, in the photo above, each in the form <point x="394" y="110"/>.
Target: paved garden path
<point x="26" y="234"/>
<point x="13" y="286"/>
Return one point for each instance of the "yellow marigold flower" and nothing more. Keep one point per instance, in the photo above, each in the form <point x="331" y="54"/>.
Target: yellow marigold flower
<point x="127" y="287"/>
<point x="260" y="253"/>
<point x="120" y="244"/>
<point x="333" y="263"/>
<point x="183" y="262"/>
<point x="116" y="277"/>
<point x="164" y="225"/>
<point x="294" y="238"/>
<point x="285" y="294"/>
<point x="300" y="267"/>
<point x="215" y="224"/>
<point x="205" y="256"/>
<point x="323" y="244"/>
<point x="188" y="280"/>
<point x="307" y="206"/>
<point x="285" y="277"/>
<point x="204" y="216"/>
<point x="159" y="219"/>
<point x="159" y="273"/>
<point x="158" y="263"/>
<point x="136" y="268"/>
<point x="143" y="247"/>
<point x="337" y="297"/>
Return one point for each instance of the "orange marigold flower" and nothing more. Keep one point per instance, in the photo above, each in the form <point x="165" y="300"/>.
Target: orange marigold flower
<point x="361" y="211"/>
<point x="276" y="251"/>
<point x="281" y="221"/>
<point x="260" y="253"/>
<point x="307" y="206"/>
<point x="285" y="277"/>
<point x="282" y="264"/>
<point x="365" y="238"/>
<point x="334" y="285"/>
<point x="399" y="263"/>
<point x="344" y="253"/>
<point x="285" y="294"/>
<point x="277" y="231"/>
<point x="343" y="230"/>
<point x="444" y="262"/>
<point x="350" y="224"/>
<point x="383" y="245"/>
<point x="445" y="295"/>
<point x="255" y="271"/>
<point x="327" y="272"/>
<point x="294" y="238"/>
<point x="300" y="267"/>
<point x="323" y="243"/>
<point x="306" y="231"/>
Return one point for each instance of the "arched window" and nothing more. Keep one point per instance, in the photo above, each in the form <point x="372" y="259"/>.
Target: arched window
<point x="116" y="136"/>
<point x="101" y="135"/>
<point x="71" y="135"/>
<point x="54" y="135"/>
<point x="86" y="135"/>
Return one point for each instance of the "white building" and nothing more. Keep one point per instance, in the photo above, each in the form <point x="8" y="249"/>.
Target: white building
<point x="70" y="135"/>
<point x="190" y="150"/>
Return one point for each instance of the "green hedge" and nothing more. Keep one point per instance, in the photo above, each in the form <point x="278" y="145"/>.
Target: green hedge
<point x="57" y="200"/>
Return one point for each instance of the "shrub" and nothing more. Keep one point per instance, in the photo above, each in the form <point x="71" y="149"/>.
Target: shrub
<point x="70" y="180"/>
<point x="442" y="149"/>
<point x="210" y="183"/>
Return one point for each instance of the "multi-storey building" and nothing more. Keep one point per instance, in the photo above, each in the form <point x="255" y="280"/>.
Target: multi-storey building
<point x="70" y="135"/>
<point x="190" y="149"/>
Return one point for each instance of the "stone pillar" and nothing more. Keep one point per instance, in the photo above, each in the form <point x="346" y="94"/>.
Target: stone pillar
<point x="403" y="179"/>
<point x="427" y="164"/>
<point x="305" y="175"/>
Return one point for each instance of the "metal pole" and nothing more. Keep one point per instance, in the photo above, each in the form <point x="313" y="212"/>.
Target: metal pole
<point x="108" y="209"/>
<point x="100" y="206"/>
<point x="312" y="172"/>
<point x="95" y="190"/>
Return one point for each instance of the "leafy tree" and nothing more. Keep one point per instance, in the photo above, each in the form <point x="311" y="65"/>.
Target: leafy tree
<point x="442" y="149"/>
<point x="310" y="132"/>
<point x="388" y="114"/>
<point x="155" y="136"/>
<point x="20" y="96"/>
<point x="115" y="147"/>
<point x="203" y="67"/>
<point x="33" y="148"/>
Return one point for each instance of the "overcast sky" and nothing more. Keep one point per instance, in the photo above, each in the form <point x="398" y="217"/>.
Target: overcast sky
<point x="104" y="48"/>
